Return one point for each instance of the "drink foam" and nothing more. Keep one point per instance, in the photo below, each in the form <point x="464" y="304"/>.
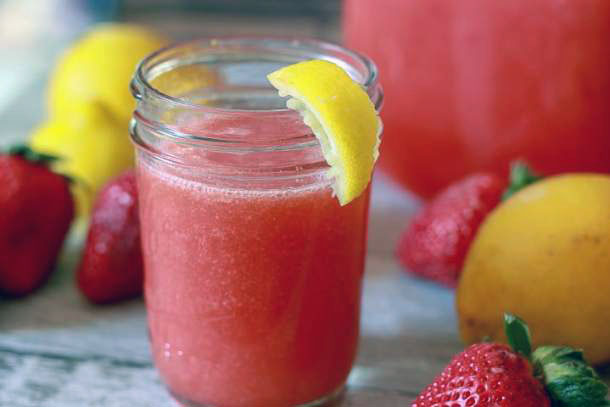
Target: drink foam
<point x="229" y="193"/>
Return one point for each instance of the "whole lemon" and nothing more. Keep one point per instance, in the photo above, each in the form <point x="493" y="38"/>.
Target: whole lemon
<point x="544" y="254"/>
<point x="92" y="146"/>
<point x="99" y="67"/>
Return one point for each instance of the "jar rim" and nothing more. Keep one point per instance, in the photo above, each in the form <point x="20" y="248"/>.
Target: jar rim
<point x="254" y="142"/>
<point x="370" y="83"/>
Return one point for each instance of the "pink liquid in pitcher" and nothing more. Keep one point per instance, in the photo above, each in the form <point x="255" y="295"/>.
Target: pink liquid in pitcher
<point x="472" y="85"/>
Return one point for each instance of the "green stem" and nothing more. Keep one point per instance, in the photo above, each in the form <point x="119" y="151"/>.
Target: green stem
<point x="564" y="372"/>
<point x="520" y="177"/>
<point x="27" y="153"/>
<point x="518" y="335"/>
<point x="568" y="379"/>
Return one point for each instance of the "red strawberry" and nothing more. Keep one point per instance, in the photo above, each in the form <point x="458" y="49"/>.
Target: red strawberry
<point x="493" y="375"/>
<point x="111" y="267"/>
<point x="36" y="209"/>
<point x="436" y="242"/>
<point x="488" y="375"/>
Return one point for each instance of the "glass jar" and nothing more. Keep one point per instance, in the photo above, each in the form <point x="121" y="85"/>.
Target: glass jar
<point x="253" y="270"/>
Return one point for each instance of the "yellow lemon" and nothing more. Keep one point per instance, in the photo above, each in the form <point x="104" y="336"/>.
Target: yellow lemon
<point x="341" y="116"/>
<point x="93" y="147"/>
<point x="99" y="67"/>
<point x="544" y="254"/>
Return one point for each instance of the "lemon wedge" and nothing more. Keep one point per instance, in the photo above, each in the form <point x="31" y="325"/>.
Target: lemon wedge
<point x="340" y="115"/>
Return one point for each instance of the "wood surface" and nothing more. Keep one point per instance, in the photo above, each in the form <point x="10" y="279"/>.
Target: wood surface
<point x="56" y="350"/>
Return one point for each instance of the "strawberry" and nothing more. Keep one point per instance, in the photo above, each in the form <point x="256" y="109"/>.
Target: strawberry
<point x="111" y="267"/>
<point x="436" y="241"/>
<point x="485" y="374"/>
<point x="494" y="375"/>
<point x="36" y="209"/>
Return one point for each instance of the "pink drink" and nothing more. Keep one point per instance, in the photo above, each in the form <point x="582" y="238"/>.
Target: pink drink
<point x="472" y="85"/>
<point x="253" y="297"/>
<point x="253" y="269"/>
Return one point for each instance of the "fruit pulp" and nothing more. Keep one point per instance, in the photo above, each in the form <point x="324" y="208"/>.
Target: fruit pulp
<point x="253" y="296"/>
<point x="472" y="85"/>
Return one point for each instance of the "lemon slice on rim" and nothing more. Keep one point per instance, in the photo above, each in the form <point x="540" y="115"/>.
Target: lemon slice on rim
<point x="341" y="116"/>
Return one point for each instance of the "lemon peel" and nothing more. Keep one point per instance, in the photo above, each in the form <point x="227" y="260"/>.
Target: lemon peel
<point x="99" y="67"/>
<point x="93" y="147"/>
<point x="340" y="115"/>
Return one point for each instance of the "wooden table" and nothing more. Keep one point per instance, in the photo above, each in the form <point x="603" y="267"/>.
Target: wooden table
<point x="58" y="351"/>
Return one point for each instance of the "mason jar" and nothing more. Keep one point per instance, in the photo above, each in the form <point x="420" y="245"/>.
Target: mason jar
<point x="253" y="270"/>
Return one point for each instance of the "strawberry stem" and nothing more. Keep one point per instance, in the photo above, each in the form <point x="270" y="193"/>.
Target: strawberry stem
<point x="568" y="379"/>
<point x="518" y="335"/>
<point x="566" y="376"/>
<point x="520" y="177"/>
<point x="36" y="157"/>
<point x="28" y="154"/>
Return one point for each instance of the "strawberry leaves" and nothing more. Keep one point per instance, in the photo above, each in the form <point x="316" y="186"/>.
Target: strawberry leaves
<point x="518" y="335"/>
<point x="520" y="177"/>
<point x="30" y="155"/>
<point x="565" y="374"/>
<point x="40" y="158"/>
<point x="568" y="379"/>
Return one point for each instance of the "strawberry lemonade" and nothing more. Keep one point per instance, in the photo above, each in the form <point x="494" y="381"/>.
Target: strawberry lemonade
<point x="253" y="223"/>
